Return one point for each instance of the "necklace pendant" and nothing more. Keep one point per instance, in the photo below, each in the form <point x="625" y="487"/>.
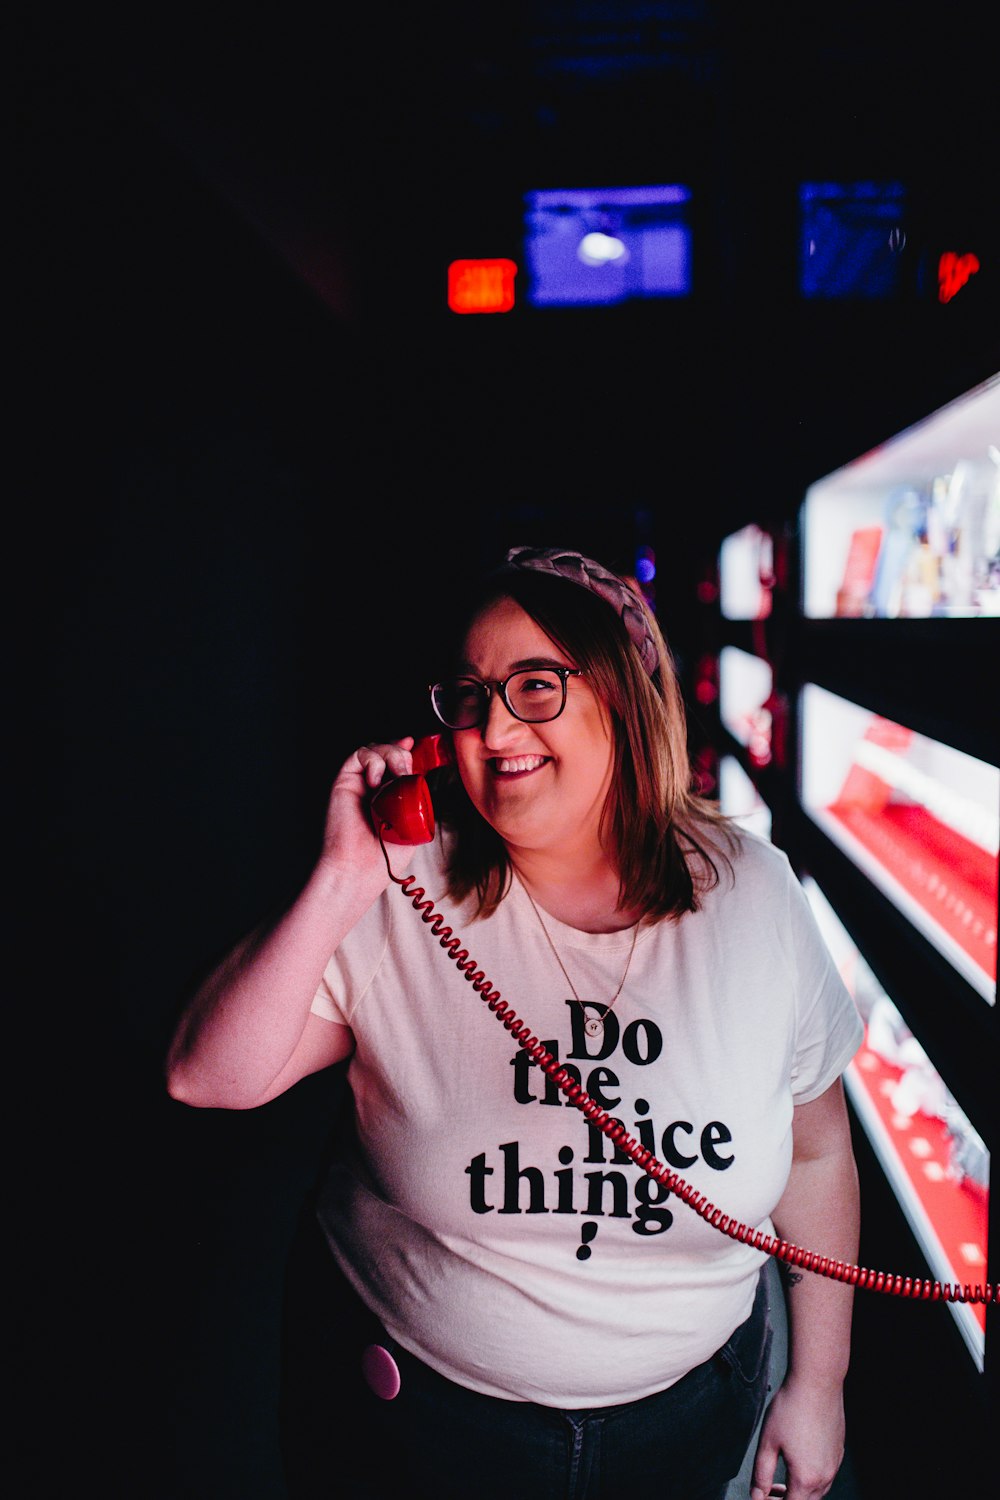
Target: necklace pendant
<point x="594" y="1026"/>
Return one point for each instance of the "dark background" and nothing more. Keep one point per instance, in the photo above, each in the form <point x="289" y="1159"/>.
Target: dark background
<point x="250" y="450"/>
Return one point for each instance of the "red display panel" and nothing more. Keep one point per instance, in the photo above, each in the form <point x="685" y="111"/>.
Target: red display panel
<point x="919" y="818"/>
<point x="936" y="1163"/>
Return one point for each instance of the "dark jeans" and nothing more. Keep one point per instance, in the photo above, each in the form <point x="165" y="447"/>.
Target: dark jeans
<point x="439" y="1441"/>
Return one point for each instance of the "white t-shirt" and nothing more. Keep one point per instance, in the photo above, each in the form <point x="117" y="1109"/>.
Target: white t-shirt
<point x="496" y="1234"/>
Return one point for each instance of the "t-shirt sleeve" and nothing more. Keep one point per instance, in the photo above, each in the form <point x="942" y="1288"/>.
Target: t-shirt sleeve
<point x="351" y="970"/>
<point x="829" y="1029"/>
<point x="325" y="1002"/>
<point x="353" y="966"/>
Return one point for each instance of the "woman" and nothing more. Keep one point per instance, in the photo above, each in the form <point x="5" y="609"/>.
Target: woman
<point x="538" y="1316"/>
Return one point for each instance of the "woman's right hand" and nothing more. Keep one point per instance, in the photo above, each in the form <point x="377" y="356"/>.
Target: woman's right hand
<point x="349" y="838"/>
<point x="248" y="1033"/>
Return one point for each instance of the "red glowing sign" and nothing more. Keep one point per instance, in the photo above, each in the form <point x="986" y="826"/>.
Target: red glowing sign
<point x="481" y="286"/>
<point x="953" y="272"/>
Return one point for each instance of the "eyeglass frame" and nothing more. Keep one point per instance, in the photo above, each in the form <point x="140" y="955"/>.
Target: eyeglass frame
<point x="489" y="683"/>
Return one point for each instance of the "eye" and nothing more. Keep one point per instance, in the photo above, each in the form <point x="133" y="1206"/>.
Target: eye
<point x="459" y="702"/>
<point x="530" y="691"/>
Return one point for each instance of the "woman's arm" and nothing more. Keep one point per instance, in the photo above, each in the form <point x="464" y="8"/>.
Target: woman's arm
<point x="819" y="1210"/>
<point x="248" y="1033"/>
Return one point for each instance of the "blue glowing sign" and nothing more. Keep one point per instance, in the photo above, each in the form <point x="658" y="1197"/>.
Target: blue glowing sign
<point x="585" y="246"/>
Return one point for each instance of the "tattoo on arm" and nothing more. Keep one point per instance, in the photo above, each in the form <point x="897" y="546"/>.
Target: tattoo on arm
<point x="789" y="1276"/>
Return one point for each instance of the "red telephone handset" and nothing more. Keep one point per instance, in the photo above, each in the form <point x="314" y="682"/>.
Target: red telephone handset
<point x="401" y="809"/>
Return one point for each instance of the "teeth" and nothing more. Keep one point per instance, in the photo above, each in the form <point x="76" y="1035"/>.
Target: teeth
<point x="521" y="763"/>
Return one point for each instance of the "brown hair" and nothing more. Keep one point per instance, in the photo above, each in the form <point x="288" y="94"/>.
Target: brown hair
<point x="666" y="842"/>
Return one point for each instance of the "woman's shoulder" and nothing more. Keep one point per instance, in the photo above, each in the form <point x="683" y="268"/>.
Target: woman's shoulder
<point x="753" y="858"/>
<point x="756" y="846"/>
<point x="422" y="872"/>
<point x="424" y="862"/>
<point x="757" y="889"/>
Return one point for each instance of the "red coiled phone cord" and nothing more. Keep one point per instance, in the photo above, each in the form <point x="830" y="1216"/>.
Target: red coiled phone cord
<point x="807" y="1260"/>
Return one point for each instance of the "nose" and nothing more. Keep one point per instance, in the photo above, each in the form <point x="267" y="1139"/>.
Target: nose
<point x="500" y="727"/>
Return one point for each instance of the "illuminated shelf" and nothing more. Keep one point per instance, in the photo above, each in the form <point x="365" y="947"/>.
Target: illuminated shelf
<point x="740" y="799"/>
<point x="746" y="684"/>
<point x="746" y="574"/>
<point x="920" y="819"/>
<point x="936" y="1163"/>
<point x="912" y="528"/>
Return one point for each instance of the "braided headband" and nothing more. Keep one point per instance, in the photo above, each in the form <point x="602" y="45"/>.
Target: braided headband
<point x="629" y="608"/>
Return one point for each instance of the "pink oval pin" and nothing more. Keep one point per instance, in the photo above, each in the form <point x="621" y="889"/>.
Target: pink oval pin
<point x="381" y="1372"/>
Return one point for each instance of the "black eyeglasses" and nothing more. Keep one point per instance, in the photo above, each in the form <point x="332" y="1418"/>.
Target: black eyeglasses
<point x="535" y="695"/>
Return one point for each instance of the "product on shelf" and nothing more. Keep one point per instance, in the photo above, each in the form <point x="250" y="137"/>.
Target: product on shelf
<point x="911" y="529"/>
<point x="895" y="811"/>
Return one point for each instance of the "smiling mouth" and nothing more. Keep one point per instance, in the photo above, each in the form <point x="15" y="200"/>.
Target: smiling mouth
<point x="517" y="765"/>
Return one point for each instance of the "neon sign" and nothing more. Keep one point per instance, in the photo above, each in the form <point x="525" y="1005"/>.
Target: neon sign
<point x="481" y="286"/>
<point x="953" y="272"/>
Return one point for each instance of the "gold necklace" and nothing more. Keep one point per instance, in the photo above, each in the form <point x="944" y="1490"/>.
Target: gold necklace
<point x="592" y="1025"/>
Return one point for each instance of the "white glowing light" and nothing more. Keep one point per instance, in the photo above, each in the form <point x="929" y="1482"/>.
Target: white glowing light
<point x="600" y="249"/>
